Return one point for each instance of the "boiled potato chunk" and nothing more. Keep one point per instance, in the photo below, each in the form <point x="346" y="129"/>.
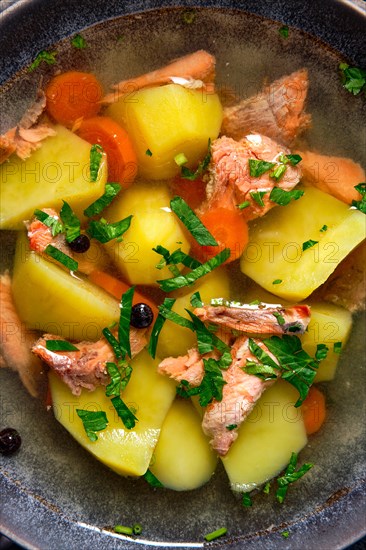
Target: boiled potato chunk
<point x="274" y="252"/>
<point x="183" y="459"/>
<point x="128" y="452"/>
<point x="273" y="431"/>
<point x="152" y="224"/>
<point x="175" y="340"/>
<point x="166" y="121"/>
<point x="49" y="299"/>
<point x="58" y="171"/>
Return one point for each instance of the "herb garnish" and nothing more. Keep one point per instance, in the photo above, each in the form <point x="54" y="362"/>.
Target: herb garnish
<point x="257" y="196"/>
<point x="62" y="258"/>
<point x="337" y="347"/>
<point x="323" y="229"/>
<point x="285" y="534"/>
<point x="259" y="167"/>
<point x="113" y="342"/>
<point x="168" y="285"/>
<point x="148" y="153"/>
<point x="284" y="31"/>
<point x="96" y="153"/>
<point x="50" y="221"/>
<point x="78" y="42"/>
<point x="246" y="500"/>
<point x="93" y="421"/>
<point x="188" y="174"/>
<point x="361" y="205"/>
<point x="192" y="222"/>
<point x="111" y="191"/>
<point x="278" y="172"/>
<point x="280" y="319"/>
<point x="277" y="282"/>
<point x="47" y="57"/>
<point x="125" y="414"/>
<point x="282" y="197"/>
<point x="105" y="232"/>
<point x="231" y="427"/>
<point x="71" y="222"/>
<point x="195" y="300"/>
<point x="290" y="476"/>
<point x="152" y="479"/>
<point x="210" y="387"/>
<point x="120" y="376"/>
<point x="215" y="534"/>
<point x="175" y="258"/>
<point x="124" y="321"/>
<point x="353" y="78"/>
<point x="308" y="244"/>
<point x="243" y="205"/>
<point x="60" y="345"/>
<point x="267" y="488"/>
<point x="158" y="325"/>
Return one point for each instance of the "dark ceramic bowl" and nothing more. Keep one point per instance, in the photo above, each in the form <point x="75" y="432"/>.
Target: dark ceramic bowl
<point x="53" y="494"/>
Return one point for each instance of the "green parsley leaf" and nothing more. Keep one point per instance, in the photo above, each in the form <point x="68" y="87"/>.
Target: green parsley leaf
<point x="308" y="244"/>
<point x="125" y="414"/>
<point x="278" y="172"/>
<point x="176" y="257"/>
<point x="277" y="282"/>
<point x="290" y="476"/>
<point x="282" y="197"/>
<point x="267" y="488"/>
<point x="212" y="383"/>
<point x="285" y="534"/>
<point x="105" y="232"/>
<point x="113" y="342"/>
<point x="195" y="300"/>
<point x="284" y="31"/>
<point x="50" y="221"/>
<point x="321" y="352"/>
<point x="231" y="427"/>
<point x="259" y="167"/>
<point x="174" y="317"/>
<point x="280" y="319"/>
<point x="361" y="205"/>
<point x="243" y="205"/>
<point x="257" y="196"/>
<point x="78" y="42"/>
<point x="188" y="174"/>
<point x="60" y="345"/>
<point x="62" y="258"/>
<point x="192" y="222"/>
<point x="71" y="222"/>
<point x="152" y="479"/>
<point x="206" y="340"/>
<point x="215" y="534"/>
<point x="168" y="285"/>
<point x="337" y="347"/>
<point x="111" y="191"/>
<point x="120" y="376"/>
<point x="124" y="321"/>
<point x="158" y="325"/>
<point x="123" y="530"/>
<point x="93" y="421"/>
<point x="148" y="153"/>
<point x="96" y="153"/>
<point x="47" y="57"/>
<point x="294" y="159"/>
<point x="261" y="371"/>
<point x="353" y="78"/>
<point x="246" y="500"/>
<point x="323" y="229"/>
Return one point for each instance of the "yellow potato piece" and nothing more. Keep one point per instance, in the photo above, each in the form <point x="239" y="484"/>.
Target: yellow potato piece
<point x="266" y="439"/>
<point x="168" y="120"/>
<point x="127" y="452"/>
<point x="275" y="251"/>
<point x="58" y="171"/>
<point x="175" y="340"/>
<point x="50" y="299"/>
<point x="183" y="459"/>
<point x="152" y="224"/>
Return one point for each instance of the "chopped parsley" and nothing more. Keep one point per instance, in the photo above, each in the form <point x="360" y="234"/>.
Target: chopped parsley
<point x="215" y="534"/>
<point x="290" y="476"/>
<point x="323" y="229"/>
<point x="62" y="258"/>
<point x="284" y="31"/>
<point x="93" y="421"/>
<point x="259" y="167"/>
<point x="282" y="197"/>
<point x="50" y="221"/>
<point x="158" y="325"/>
<point x="113" y="342"/>
<point x="104" y="232"/>
<point x="278" y="172"/>
<point x="246" y="500"/>
<point x="152" y="479"/>
<point x="337" y="347"/>
<point x="280" y="319"/>
<point x="292" y="159"/>
<point x="243" y="205"/>
<point x="124" y="321"/>
<point x="353" y="78"/>
<point x="308" y="244"/>
<point x="257" y="196"/>
<point x="47" y="57"/>
<point x="360" y="205"/>
<point x="96" y="153"/>
<point x="195" y="300"/>
<point x="267" y="488"/>
<point x="168" y="285"/>
<point x="78" y="42"/>
<point x="111" y="191"/>
<point x="125" y="414"/>
<point x="175" y="258"/>
<point x="188" y="174"/>
<point x="285" y="534"/>
<point x="60" y="345"/>
<point x="277" y="282"/>
<point x="71" y="222"/>
<point x="148" y="153"/>
<point x="231" y="427"/>
<point x="123" y="530"/>
<point x="192" y="222"/>
<point x="210" y="387"/>
<point x="120" y="376"/>
<point x="321" y="352"/>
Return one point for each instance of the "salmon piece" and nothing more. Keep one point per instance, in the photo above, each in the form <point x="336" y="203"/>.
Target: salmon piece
<point x="277" y="111"/>
<point x="263" y="319"/>
<point x="346" y="287"/>
<point x="229" y="179"/>
<point x="185" y="70"/>
<point x="27" y="136"/>
<point x="334" y="175"/>
<point x="40" y="236"/>
<point x="16" y="341"/>
<point x="85" y="368"/>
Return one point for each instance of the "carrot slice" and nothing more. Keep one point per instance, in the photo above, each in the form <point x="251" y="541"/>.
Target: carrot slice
<point x="122" y="161"/>
<point x="230" y="231"/>
<point x="193" y="192"/>
<point x="313" y="410"/>
<point x="116" y="288"/>
<point x="73" y="95"/>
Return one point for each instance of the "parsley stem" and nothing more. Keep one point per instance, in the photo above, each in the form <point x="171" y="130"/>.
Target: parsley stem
<point x="216" y="534"/>
<point x="123" y="530"/>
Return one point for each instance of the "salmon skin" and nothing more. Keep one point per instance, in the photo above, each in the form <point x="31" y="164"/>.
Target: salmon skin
<point x="85" y="368"/>
<point x="230" y="183"/>
<point x="263" y="319"/>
